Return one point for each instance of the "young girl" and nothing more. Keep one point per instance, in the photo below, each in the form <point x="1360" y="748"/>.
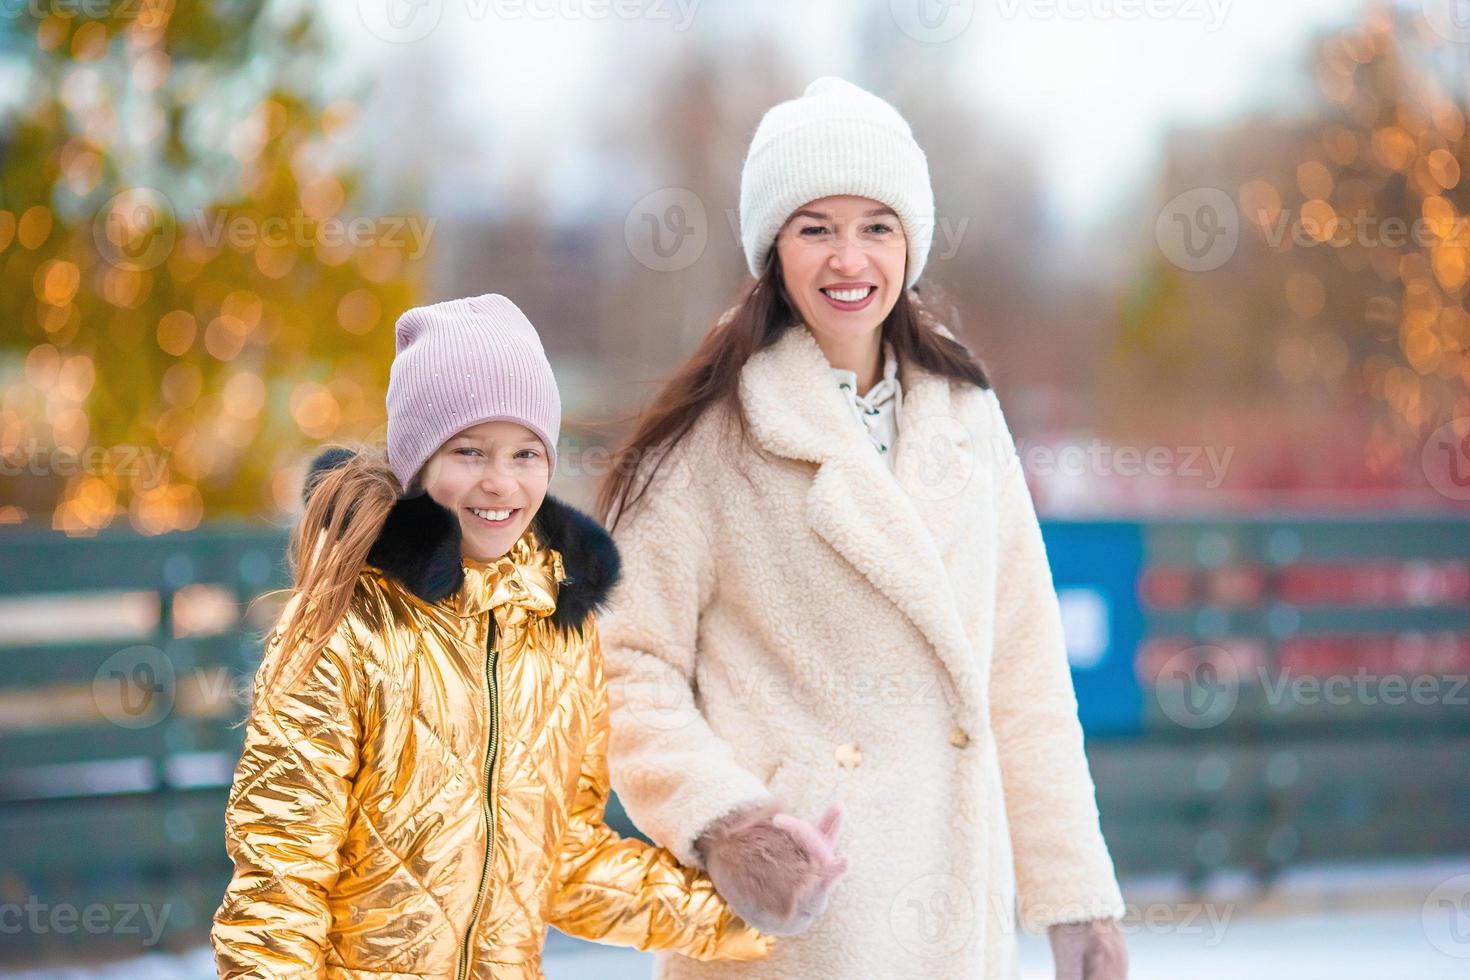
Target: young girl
<point x="424" y="773"/>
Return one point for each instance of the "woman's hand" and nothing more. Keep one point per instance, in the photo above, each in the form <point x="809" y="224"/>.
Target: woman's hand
<point x="1092" y="950"/>
<point x="774" y="869"/>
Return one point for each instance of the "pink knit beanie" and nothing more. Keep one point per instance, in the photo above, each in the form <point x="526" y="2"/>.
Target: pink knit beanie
<point x="460" y="363"/>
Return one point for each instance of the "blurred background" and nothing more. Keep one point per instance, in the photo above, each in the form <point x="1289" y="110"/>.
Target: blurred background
<point x="1213" y="253"/>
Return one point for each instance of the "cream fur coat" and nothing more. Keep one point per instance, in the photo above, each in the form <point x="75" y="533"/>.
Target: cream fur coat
<point x="795" y="620"/>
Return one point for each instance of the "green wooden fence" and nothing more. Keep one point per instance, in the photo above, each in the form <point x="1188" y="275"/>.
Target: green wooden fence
<point x="1304" y="695"/>
<point x="115" y="752"/>
<point x="117" y="745"/>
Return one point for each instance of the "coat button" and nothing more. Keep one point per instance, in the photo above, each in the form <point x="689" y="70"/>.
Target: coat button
<point x="849" y="756"/>
<point x="958" y="737"/>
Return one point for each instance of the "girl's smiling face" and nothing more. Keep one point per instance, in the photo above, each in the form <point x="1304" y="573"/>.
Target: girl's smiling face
<point x="842" y="262"/>
<point x="493" y="478"/>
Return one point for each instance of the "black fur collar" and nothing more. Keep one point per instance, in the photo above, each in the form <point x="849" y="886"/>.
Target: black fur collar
<point x="420" y="546"/>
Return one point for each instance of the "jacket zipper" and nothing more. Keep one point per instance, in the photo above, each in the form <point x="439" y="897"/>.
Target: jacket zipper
<point x="492" y="750"/>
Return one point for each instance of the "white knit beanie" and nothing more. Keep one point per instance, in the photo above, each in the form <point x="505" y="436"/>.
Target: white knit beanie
<point x="835" y="139"/>
<point x="460" y="363"/>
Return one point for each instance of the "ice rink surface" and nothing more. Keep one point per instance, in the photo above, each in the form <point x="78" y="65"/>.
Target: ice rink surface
<point x="1396" y="921"/>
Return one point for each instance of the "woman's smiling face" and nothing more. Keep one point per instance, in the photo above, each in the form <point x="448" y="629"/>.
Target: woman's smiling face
<point x="842" y="262"/>
<point x="493" y="478"/>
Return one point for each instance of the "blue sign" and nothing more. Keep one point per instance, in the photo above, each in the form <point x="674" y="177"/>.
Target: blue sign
<point x="1095" y="567"/>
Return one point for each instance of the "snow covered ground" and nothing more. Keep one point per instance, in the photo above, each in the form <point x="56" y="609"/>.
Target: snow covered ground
<point x="1401" y="921"/>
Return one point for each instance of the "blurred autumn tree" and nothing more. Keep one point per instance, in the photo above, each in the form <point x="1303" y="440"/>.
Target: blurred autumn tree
<point x="1388" y="180"/>
<point x="188" y="302"/>
<point x="1337" y="331"/>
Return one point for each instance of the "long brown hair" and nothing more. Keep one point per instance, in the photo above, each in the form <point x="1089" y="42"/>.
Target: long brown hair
<point x="346" y="508"/>
<point x="712" y="376"/>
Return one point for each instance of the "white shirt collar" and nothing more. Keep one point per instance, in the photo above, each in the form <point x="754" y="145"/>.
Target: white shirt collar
<point x="887" y="386"/>
<point x="878" y="411"/>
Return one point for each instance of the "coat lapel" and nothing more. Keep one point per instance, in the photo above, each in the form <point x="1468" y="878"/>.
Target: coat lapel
<point x="886" y="528"/>
<point x="937" y="462"/>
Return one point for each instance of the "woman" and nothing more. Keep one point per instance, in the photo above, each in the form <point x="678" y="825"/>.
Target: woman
<point x="834" y="595"/>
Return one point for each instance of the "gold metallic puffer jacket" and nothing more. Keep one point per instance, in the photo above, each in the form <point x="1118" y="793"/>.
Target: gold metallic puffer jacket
<point x="429" y="797"/>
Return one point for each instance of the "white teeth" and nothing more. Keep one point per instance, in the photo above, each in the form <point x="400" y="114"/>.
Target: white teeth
<point x="849" y="295"/>
<point x="492" y="515"/>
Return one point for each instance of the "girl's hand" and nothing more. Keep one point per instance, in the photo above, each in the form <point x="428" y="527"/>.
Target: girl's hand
<point x="1092" y="950"/>
<point x="774" y="869"/>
